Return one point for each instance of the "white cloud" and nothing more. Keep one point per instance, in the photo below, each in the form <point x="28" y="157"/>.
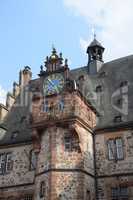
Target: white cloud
<point x="113" y="21"/>
<point x="2" y="95"/>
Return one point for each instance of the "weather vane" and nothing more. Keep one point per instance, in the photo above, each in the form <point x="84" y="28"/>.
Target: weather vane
<point x="94" y="32"/>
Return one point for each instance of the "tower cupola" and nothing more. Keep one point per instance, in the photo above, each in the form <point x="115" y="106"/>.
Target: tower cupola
<point x="95" y="56"/>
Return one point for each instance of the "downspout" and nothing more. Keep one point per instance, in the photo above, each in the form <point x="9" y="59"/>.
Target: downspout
<point x="95" y="171"/>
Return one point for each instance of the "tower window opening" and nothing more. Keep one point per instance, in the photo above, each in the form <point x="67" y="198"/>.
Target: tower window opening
<point x="72" y="142"/>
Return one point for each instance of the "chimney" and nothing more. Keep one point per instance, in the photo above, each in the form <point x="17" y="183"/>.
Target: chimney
<point x="9" y="100"/>
<point x="3" y="112"/>
<point x="25" y="76"/>
<point x="16" y="89"/>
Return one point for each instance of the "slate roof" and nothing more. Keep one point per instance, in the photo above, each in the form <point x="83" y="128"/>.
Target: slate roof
<point x="95" y="43"/>
<point x="110" y="77"/>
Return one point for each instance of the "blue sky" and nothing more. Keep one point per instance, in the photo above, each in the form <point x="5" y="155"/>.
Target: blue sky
<point x="27" y="31"/>
<point x="28" y="28"/>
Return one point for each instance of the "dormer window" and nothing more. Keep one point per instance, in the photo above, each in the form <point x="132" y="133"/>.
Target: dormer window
<point x="81" y="78"/>
<point x="119" y="101"/>
<point x="118" y="119"/>
<point x="99" y="89"/>
<point x="123" y="83"/>
<point x="102" y="74"/>
<point x="14" y="135"/>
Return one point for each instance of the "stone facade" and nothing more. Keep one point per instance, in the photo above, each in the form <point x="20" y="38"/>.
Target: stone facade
<point x="58" y="136"/>
<point x="114" y="173"/>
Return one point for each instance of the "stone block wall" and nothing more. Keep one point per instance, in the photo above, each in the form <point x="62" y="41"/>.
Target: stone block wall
<point x="65" y="172"/>
<point x="20" y="175"/>
<point x="113" y="173"/>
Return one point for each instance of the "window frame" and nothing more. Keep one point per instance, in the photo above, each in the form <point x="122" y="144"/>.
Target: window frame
<point x="28" y="197"/>
<point x="115" y="156"/>
<point x="7" y="163"/>
<point x="73" y="142"/>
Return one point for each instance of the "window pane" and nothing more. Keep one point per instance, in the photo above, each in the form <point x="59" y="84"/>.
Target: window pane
<point x="28" y="197"/>
<point x="2" y="163"/>
<point x="119" y="148"/>
<point x="9" y="162"/>
<point x="111" y="149"/>
<point x="120" y="193"/>
<point x="124" y="191"/>
<point x="72" y="142"/>
<point x="115" y="192"/>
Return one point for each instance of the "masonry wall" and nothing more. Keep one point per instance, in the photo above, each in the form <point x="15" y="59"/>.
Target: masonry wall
<point x="65" y="172"/>
<point x="20" y="174"/>
<point x="113" y="173"/>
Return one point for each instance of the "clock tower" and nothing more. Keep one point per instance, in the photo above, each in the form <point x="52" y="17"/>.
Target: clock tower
<point x="62" y="132"/>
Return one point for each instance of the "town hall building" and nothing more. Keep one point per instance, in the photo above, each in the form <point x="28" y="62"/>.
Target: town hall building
<point x="68" y="134"/>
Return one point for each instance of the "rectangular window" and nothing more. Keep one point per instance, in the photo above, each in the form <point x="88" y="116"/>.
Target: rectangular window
<point x="6" y="163"/>
<point x="119" y="148"/>
<point x="115" y="149"/>
<point x="120" y="193"/>
<point x="111" y="149"/>
<point x="28" y="197"/>
<point x="71" y="141"/>
<point x="68" y="145"/>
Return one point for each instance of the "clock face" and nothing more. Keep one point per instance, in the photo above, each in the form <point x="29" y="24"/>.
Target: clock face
<point x="53" y="84"/>
<point x="2" y="133"/>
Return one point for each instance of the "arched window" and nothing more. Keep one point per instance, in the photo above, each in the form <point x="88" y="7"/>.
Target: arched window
<point x="42" y="189"/>
<point x="71" y="141"/>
